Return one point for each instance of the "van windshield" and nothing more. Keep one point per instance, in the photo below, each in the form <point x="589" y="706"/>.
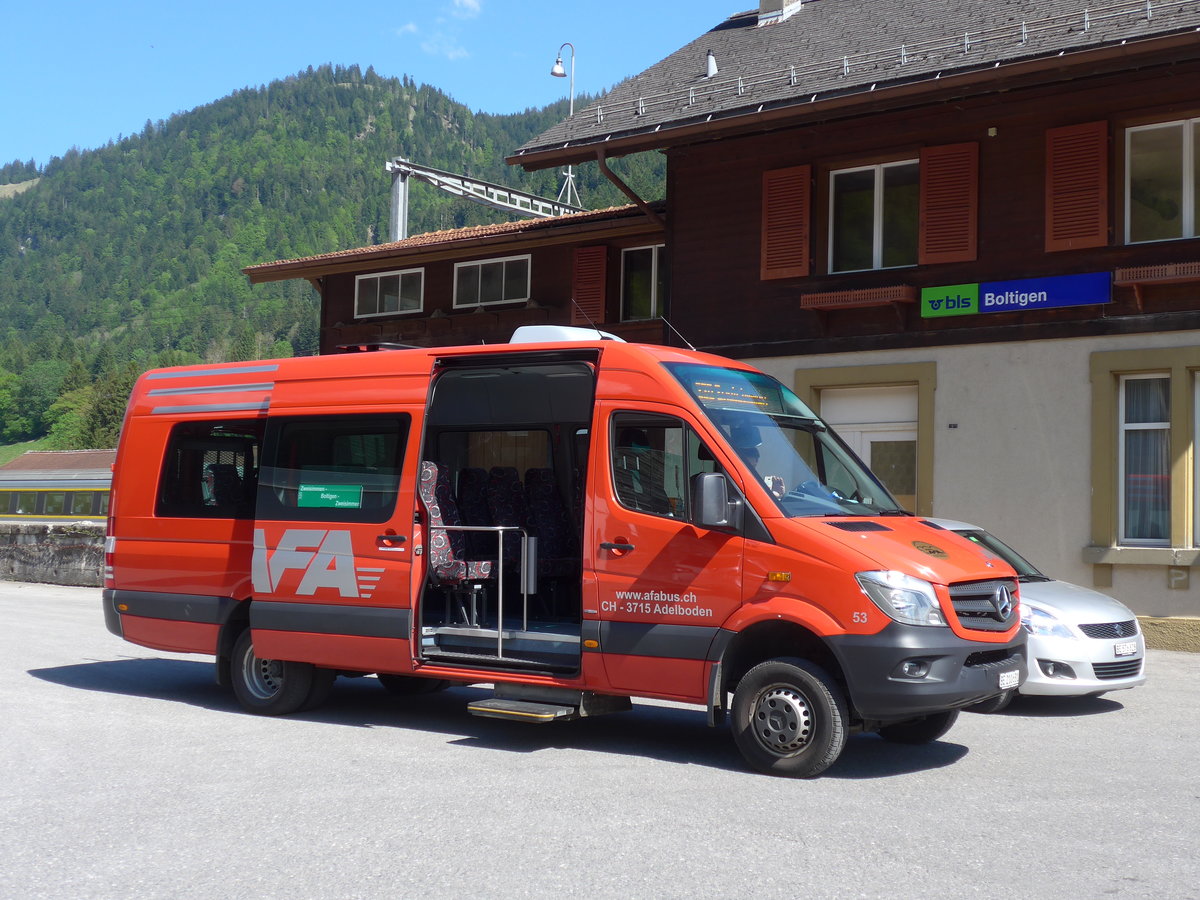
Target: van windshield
<point x="806" y="468"/>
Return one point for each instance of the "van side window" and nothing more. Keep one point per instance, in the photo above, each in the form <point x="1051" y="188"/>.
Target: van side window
<point x="210" y="470"/>
<point x="332" y="468"/>
<point x="653" y="460"/>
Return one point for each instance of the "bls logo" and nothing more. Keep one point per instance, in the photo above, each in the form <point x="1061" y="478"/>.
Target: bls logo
<point x="325" y="557"/>
<point x="959" y="302"/>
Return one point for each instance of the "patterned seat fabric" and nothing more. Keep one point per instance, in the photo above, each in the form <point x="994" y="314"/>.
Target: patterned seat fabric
<point x="472" y="503"/>
<point x="447" y="549"/>
<point x="506" y="504"/>
<point x="550" y="522"/>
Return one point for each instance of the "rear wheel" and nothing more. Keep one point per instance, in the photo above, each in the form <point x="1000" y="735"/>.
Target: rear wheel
<point x="789" y="718"/>
<point x="275" y="687"/>
<point x="924" y="730"/>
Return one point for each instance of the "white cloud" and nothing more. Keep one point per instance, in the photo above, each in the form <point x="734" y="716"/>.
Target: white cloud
<point x="467" y="9"/>
<point x="409" y="28"/>
<point x="442" y="44"/>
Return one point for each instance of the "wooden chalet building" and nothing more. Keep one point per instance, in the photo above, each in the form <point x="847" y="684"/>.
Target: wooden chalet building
<point x="969" y="234"/>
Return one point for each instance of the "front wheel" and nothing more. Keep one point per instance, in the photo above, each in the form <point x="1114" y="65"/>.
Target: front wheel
<point x="924" y="730"/>
<point x="275" y="687"/>
<point x="789" y="718"/>
<point x="993" y="704"/>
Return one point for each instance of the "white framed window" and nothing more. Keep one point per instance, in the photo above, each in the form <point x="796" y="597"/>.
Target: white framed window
<point x="874" y="216"/>
<point x="1144" y="460"/>
<point x="484" y="281"/>
<point x="643" y="284"/>
<point x="1162" y="171"/>
<point x="389" y="293"/>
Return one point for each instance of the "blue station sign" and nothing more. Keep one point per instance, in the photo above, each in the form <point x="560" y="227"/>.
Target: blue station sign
<point x="1021" y="295"/>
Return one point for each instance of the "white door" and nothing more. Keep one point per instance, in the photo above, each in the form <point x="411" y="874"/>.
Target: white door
<point x="880" y="425"/>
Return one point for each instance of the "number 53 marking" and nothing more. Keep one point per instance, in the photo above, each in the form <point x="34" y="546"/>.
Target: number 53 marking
<point x="860" y="618"/>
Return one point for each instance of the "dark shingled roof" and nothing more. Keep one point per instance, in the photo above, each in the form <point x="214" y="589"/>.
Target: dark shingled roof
<point x="836" y="48"/>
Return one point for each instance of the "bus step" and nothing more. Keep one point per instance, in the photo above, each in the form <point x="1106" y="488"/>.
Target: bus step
<point x="522" y="710"/>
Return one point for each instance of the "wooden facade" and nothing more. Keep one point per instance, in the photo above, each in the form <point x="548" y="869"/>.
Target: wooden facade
<point x="723" y="227"/>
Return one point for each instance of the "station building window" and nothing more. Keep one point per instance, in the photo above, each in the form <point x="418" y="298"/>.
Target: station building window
<point x="504" y="280"/>
<point x="1145" y="415"/>
<point x="643" y="283"/>
<point x="873" y="216"/>
<point x="389" y="293"/>
<point x="1162" y="170"/>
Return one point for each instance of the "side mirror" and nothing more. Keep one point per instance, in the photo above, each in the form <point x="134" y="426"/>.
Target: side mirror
<point x="712" y="505"/>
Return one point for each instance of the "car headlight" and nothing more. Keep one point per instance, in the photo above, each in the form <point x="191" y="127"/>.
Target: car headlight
<point x="1036" y="621"/>
<point x="903" y="597"/>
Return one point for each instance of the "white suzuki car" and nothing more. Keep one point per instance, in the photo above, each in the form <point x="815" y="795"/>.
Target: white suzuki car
<point x="1081" y="643"/>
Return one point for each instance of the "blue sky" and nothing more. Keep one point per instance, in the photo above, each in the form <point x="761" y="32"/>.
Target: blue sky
<point x="83" y="73"/>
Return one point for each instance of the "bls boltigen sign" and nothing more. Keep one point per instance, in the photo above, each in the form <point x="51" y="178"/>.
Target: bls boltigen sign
<point x="1016" y="296"/>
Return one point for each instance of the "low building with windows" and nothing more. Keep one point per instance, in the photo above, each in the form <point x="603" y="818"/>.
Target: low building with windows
<point x="480" y="284"/>
<point x="969" y="234"/>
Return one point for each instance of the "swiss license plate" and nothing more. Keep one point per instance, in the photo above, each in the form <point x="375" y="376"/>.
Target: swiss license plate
<point x="1009" y="679"/>
<point x="1125" y="648"/>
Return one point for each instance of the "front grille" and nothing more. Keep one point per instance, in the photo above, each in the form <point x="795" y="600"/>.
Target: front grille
<point x="979" y="604"/>
<point x="1124" y="669"/>
<point x="994" y="659"/>
<point x="1111" y="629"/>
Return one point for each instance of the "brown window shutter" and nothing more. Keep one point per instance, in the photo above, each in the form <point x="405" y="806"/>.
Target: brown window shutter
<point x="590" y="273"/>
<point x="786" y="199"/>
<point x="1077" y="186"/>
<point x="949" y="203"/>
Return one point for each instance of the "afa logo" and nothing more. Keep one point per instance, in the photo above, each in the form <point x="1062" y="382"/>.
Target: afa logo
<point x="324" y="559"/>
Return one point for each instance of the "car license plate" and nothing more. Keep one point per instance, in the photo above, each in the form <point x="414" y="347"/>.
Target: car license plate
<point x="1009" y="680"/>
<point x="1125" y="648"/>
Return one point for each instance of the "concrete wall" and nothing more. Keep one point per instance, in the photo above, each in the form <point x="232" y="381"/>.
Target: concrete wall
<point x="71" y="553"/>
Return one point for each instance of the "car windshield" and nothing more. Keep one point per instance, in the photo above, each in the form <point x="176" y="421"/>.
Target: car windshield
<point x="1025" y="570"/>
<point x="806" y="468"/>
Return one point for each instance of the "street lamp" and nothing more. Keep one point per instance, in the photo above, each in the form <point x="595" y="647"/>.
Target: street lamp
<point x="568" y="189"/>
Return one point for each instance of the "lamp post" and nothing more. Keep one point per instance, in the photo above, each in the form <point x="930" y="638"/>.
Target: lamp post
<point x="568" y="191"/>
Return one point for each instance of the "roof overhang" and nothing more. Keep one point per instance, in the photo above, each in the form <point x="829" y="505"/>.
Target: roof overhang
<point x="617" y="223"/>
<point x="924" y="90"/>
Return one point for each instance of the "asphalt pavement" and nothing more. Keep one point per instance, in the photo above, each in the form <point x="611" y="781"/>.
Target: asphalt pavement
<point x="128" y="773"/>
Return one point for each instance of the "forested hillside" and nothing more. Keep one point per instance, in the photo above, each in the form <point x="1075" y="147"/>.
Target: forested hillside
<point x="119" y="259"/>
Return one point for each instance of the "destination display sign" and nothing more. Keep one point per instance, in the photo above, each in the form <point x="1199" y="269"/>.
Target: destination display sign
<point x="1021" y="295"/>
<point x="333" y="496"/>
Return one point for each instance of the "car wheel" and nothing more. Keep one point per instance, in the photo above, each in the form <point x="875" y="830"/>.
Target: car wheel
<point x="274" y="687"/>
<point x="789" y="718"/>
<point x="993" y="704"/>
<point x="924" y="730"/>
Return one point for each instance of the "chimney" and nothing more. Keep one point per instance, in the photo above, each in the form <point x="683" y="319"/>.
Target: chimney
<point x="712" y="66"/>
<point x="771" y="11"/>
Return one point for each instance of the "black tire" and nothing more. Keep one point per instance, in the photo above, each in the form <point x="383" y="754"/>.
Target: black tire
<point x="273" y="687"/>
<point x="924" y="730"/>
<point x="789" y="718"/>
<point x="411" y="686"/>
<point x="322" y="686"/>
<point x="993" y="704"/>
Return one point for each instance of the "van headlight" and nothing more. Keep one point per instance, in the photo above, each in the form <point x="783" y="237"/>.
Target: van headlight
<point x="903" y="597"/>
